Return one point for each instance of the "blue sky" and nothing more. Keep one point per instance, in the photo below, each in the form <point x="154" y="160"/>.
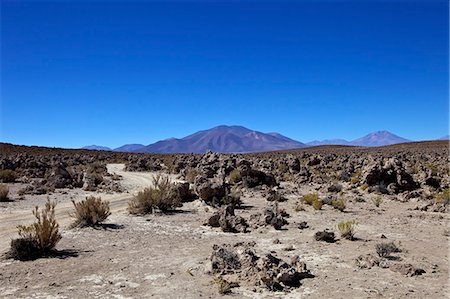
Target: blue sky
<point x="109" y="73"/>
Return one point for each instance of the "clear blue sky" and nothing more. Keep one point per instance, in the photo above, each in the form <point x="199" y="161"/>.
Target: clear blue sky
<point x="109" y="73"/>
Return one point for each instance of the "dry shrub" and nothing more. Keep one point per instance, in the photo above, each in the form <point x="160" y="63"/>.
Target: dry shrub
<point x="161" y="196"/>
<point x="90" y="212"/>
<point x="7" y="176"/>
<point x="191" y="173"/>
<point x="4" y="191"/>
<point x="377" y="201"/>
<point x="312" y="199"/>
<point x="385" y="249"/>
<point x="347" y="229"/>
<point x="443" y="197"/>
<point x="39" y="238"/>
<point x="339" y="204"/>
<point x="356" y="177"/>
<point x="235" y="176"/>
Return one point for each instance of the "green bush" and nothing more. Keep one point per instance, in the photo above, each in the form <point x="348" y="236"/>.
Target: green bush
<point x="339" y="204"/>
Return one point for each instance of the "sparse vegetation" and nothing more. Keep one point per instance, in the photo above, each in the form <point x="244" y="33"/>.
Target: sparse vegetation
<point x="90" y="212"/>
<point x="364" y="187"/>
<point x="377" y="201"/>
<point x="356" y="177"/>
<point x="312" y="199"/>
<point x="191" y="173"/>
<point x="39" y="238"/>
<point x="443" y="197"/>
<point x="4" y="191"/>
<point x="161" y="196"/>
<point x="7" y="176"/>
<point x="385" y="249"/>
<point x="224" y="287"/>
<point x="347" y="229"/>
<point x="339" y="204"/>
<point x="235" y="176"/>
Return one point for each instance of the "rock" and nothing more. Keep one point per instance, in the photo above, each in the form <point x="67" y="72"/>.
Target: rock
<point x="270" y="216"/>
<point x="406" y="269"/>
<point x="367" y="261"/>
<point x="325" y="235"/>
<point x="207" y="190"/>
<point x="227" y="220"/>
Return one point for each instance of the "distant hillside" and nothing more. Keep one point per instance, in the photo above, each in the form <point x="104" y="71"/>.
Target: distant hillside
<point x="130" y="148"/>
<point x="379" y="138"/>
<point x="96" y="147"/>
<point x="224" y="139"/>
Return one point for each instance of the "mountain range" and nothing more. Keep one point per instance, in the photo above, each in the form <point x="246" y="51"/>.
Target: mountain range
<point x="238" y="139"/>
<point x="379" y="138"/>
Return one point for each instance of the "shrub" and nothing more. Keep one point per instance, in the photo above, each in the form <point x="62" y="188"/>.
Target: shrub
<point x="385" y="249"/>
<point x="347" y="229"/>
<point x="443" y="197"/>
<point x="312" y="199"/>
<point x="377" y="201"/>
<point x="90" y="212"/>
<point x="8" y="176"/>
<point x="339" y="204"/>
<point x="364" y="186"/>
<point x="4" y="190"/>
<point x="191" y="173"/>
<point x="39" y="238"/>
<point x="235" y="176"/>
<point x="356" y="177"/>
<point x="161" y="196"/>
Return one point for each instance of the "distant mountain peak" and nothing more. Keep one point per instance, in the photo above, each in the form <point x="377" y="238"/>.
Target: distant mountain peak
<point x="96" y="147"/>
<point x="224" y="139"/>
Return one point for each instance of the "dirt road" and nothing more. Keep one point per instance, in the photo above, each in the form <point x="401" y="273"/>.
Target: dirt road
<point x="131" y="181"/>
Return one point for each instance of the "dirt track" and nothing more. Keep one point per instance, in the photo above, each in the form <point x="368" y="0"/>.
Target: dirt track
<point x="132" y="181"/>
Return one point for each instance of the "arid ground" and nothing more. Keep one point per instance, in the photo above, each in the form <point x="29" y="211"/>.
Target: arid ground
<point x="171" y="255"/>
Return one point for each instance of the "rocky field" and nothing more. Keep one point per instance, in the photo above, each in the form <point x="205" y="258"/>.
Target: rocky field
<point x="321" y="222"/>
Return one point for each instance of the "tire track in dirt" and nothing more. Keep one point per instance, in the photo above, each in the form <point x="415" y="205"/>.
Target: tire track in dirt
<point x="131" y="181"/>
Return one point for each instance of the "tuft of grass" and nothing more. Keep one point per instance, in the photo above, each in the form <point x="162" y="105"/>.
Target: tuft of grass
<point x="38" y="238"/>
<point x="191" y="173"/>
<point x="356" y="177"/>
<point x="385" y="249"/>
<point x="347" y="229"/>
<point x="235" y="176"/>
<point x="224" y="287"/>
<point x="161" y="196"/>
<point x="90" y="212"/>
<point x="377" y="201"/>
<point x="4" y="191"/>
<point x="8" y="176"/>
<point x="339" y="204"/>
<point x="312" y="199"/>
<point x="364" y="186"/>
<point x="443" y="197"/>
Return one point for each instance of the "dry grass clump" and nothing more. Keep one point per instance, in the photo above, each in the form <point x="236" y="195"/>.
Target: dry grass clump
<point x="39" y="238"/>
<point x="443" y="197"/>
<point x="385" y="249"/>
<point x="377" y="201"/>
<point x="347" y="229"/>
<point x="90" y="212"/>
<point x="191" y="173"/>
<point x="235" y="176"/>
<point x="356" y="177"/>
<point x="224" y="287"/>
<point x="4" y="191"/>
<point x="7" y="176"/>
<point x="312" y="199"/>
<point x="161" y="196"/>
<point x="339" y="204"/>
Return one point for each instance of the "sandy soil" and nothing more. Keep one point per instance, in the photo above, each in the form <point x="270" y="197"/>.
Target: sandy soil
<point x="168" y="256"/>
